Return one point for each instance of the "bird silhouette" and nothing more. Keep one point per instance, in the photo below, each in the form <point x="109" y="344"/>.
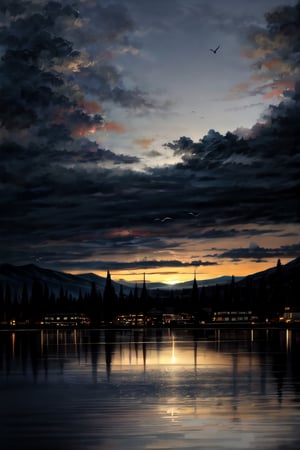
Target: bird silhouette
<point x="214" y="50"/>
<point x="194" y="214"/>
<point x="164" y="219"/>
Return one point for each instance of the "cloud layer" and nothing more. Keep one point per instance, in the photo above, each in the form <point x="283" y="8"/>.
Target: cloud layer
<point x="73" y="203"/>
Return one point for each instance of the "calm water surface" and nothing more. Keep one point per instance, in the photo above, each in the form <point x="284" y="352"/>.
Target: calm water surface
<point x="149" y="389"/>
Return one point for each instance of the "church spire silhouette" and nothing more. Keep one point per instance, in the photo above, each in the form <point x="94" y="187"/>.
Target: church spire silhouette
<point x="195" y="291"/>
<point x="144" y="289"/>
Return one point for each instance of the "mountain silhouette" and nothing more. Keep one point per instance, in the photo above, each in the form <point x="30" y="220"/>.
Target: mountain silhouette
<point x="17" y="276"/>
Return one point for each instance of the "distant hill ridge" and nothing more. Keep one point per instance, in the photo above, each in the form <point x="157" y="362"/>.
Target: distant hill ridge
<point x="188" y="284"/>
<point x="17" y="276"/>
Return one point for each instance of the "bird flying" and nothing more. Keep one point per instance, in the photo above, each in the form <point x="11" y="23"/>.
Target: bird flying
<point x="214" y="50"/>
<point x="164" y="219"/>
<point x="194" y="214"/>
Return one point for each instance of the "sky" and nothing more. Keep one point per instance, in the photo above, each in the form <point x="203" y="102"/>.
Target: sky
<point x="128" y="145"/>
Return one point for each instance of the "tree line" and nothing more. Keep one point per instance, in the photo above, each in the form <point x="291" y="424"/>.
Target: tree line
<point x="266" y="296"/>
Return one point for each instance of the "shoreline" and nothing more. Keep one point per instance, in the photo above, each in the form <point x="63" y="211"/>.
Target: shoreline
<point x="209" y="326"/>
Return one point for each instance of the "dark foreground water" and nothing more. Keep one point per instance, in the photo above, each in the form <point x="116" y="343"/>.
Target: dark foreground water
<point x="149" y="389"/>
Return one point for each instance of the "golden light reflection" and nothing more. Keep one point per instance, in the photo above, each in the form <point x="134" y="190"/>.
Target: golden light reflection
<point x="231" y="397"/>
<point x="172" y="352"/>
<point x="13" y="343"/>
<point x="174" y="355"/>
<point x="288" y="335"/>
<point x="173" y="358"/>
<point x="172" y="414"/>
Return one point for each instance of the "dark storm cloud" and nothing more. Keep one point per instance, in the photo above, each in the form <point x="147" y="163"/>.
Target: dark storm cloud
<point x="135" y="265"/>
<point x="258" y="253"/>
<point x="111" y="22"/>
<point x="221" y="233"/>
<point x="44" y="99"/>
<point x="107" y="31"/>
<point x="14" y="7"/>
<point x="274" y="51"/>
<point x="31" y="89"/>
<point x="43" y="126"/>
<point x="105" y="82"/>
<point x="34" y="162"/>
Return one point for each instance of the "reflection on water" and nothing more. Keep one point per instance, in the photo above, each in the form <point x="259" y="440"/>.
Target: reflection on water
<point x="149" y="389"/>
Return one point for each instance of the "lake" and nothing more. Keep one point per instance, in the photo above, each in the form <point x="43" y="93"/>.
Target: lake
<point x="165" y="389"/>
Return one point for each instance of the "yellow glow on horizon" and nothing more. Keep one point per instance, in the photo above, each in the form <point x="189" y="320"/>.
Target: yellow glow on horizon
<point x="175" y="275"/>
<point x="173" y="282"/>
<point x="210" y="250"/>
